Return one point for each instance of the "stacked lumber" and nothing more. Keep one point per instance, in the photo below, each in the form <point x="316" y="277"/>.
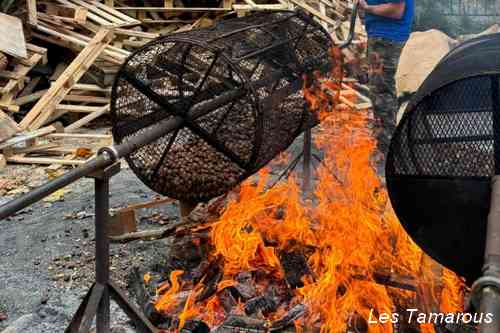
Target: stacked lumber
<point x="76" y="90"/>
<point x="48" y="102"/>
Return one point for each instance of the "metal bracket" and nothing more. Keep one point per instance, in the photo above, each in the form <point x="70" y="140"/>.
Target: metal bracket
<point x="479" y="285"/>
<point x="107" y="172"/>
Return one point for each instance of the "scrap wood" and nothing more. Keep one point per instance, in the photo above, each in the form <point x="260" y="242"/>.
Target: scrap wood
<point x="3" y="162"/>
<point x="18" y="76"/>
<point x="81" y="136"/>
<point x="87" y="119"/>
<point x="101" y="14"/>
<point x="24" y="137"/>
<point x="43" y="160"/>
<point x="8" y="127"/>
<point x="12" y="39"/>
<point x="76" y="41"/>
<point x="32" y="14"/>
<point x="317" y="13"/>
<point x="44" y="108"/>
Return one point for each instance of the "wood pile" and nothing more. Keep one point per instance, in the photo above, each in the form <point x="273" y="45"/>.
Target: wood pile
<point x="58" y="60"/>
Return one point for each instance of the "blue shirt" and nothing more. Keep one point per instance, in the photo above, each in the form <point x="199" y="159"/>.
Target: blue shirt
<point x="392" y="29"/>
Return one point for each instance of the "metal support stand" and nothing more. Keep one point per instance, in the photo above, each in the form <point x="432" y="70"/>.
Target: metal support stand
<point x="486" y="290"/>
<point x="97" y="301"/>
<point x="306" y="185"/>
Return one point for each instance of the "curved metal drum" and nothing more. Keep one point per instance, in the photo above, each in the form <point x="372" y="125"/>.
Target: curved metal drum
<point x="442" y="156"/>
<point x="246" y="73"/>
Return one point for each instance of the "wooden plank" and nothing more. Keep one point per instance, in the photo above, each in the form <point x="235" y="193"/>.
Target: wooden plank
<point x="148" y="204"/>
<point x="8" y="127"/>
<point x="78" y="108"/>
<point x="42" y="160"/>
<point x="46" y="105"/>
<point x="32" y="135"/>
<point x="36" y="148"/>
<point x="90" y="87"/>
<point x="30" y="98"/>
<point x="36" y="49"/>
<point x="9" y="75"/>
<point x="87" y="119"/>
<point x="135" y="33"/>
<point x="322" y="10"/>
<point x="81" y="15"/>
<point x="3" y="162"/>
<point x="115" y="12"/>
<point x="98" y="11"/>
<point x="32" y="14"/>
<point x="81" y="40"/>
<point x="21" y="71"/>
<point x="9" y="107"/>
<point x="173" y="9"/>
<point x="12" y="39"/>
<point x="316" y="13"/>
<point x="80" y="136"/>
<point x="86" y="98"/>
<point x="259" y="7"/>
<point x="91" y="16"/>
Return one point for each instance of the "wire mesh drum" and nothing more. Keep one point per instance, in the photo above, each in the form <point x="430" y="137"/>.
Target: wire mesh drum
<point x="238" y="87"/>
<point x="444" y="153"/>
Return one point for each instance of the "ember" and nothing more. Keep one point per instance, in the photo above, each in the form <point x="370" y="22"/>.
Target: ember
<point x="276" y="260"/>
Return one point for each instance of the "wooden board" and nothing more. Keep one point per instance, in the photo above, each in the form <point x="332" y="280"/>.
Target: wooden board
<point x="12" y="39"/>
<point x="8" y="127"/>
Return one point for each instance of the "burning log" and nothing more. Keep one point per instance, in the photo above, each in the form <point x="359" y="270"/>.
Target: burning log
<point x="227" y="300"/>
<point x="261" y="304"/>
<point x="294" y="264"/>
<point x="195" y="326"/>
<point x="293" y="314"/>
<point x="211" y="275"/>
<point x="245" y="288"/>
<point x="242" y="324"/>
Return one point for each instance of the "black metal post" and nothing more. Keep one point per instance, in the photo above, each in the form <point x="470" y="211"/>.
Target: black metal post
<point x="102" y="251"/>
<point x="306" y="186"/>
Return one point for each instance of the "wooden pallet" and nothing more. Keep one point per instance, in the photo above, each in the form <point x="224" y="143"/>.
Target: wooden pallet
<point x="13" y="81"/>
<point x="100" y="14"/>
<point x="66" y="37"/>
<point x="44" y="109"/>
<point x="44" y="147"/>
<point x="160" y="11"/>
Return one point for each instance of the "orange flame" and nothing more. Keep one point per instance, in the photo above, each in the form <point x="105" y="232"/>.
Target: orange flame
<point x="348" y="224"/>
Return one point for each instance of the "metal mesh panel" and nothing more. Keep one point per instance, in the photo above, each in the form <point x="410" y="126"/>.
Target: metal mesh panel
<point x="254" y="65"/>
<point x="449" y="133"/>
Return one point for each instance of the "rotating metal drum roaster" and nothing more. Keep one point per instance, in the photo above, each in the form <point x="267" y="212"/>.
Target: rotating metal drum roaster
<point x="444" y="154"/>
<point x="241" y="84"/>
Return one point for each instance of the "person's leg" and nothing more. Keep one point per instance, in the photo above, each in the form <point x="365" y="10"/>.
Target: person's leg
<point x="383" y="59"/>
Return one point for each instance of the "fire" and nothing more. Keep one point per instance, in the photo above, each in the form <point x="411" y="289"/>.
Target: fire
<point x="346" y="230"/>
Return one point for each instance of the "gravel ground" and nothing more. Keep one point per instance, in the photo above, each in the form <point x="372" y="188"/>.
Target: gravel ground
<point x="46" y="252"/>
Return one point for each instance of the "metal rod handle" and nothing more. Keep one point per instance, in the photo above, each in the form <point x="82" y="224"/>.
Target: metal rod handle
<point x="352" y="26"/>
